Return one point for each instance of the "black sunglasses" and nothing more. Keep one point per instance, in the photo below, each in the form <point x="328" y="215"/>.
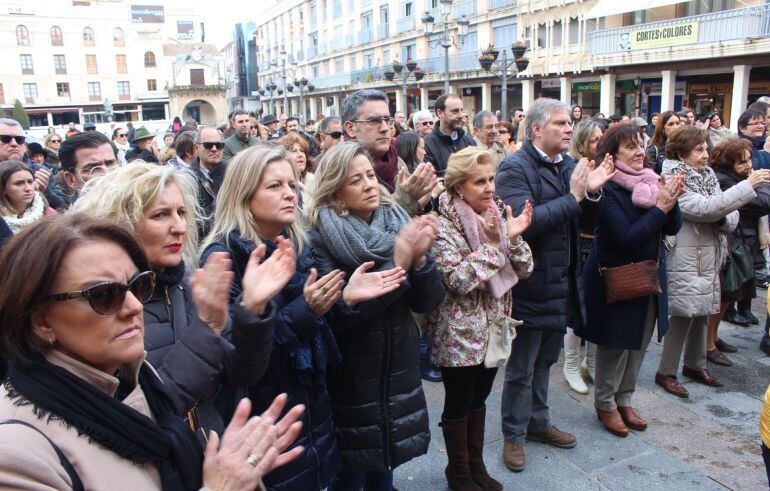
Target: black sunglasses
<point x="55" y="141"/>
<point x="334" y="134"/>
<point x="7" y="139"/>
<point x="210" y="145"/>
<point x="107" y="298"/>
<point x="122" y="135"/>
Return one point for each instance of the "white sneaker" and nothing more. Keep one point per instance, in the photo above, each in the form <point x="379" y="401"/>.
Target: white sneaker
<point x="572" y="371"/>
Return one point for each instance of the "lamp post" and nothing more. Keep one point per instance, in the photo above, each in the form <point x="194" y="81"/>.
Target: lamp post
<point x="500" y="67"/>
<point x="412" y="70"/>
<point x="283" y="75"/>
<point x="446" y="40"/>
<point x="303" y="84"/>
<point x="270" y="86"/>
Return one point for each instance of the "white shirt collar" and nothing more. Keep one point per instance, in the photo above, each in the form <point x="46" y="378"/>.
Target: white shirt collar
<point x="556" y="160"/>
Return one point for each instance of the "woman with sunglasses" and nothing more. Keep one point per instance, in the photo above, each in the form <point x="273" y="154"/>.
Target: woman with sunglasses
<point x="21" y="204"/>
<point x="190" y="339"/>
<point x="81" y="408"/>
<point x="52" y="142"/>
<point x="256" y="209"/>
<point x="120" y="139"/>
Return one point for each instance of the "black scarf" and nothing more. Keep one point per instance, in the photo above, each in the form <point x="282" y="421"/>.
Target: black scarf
<point x="170" y="276"/>
<point x="168" y="443"/>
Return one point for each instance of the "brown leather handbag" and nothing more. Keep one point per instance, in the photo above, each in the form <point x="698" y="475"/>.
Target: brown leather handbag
<point x="633" y="280"/>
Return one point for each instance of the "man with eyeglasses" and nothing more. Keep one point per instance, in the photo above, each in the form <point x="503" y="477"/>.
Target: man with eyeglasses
<point x="120" y="139"/>
<point x="516" y="119"/>
<point x="751" y="126"/>
<point x="423" y="123"/>
<point x="366" y="118"/>
<point x="83" y="157"/>
<point x="329" y="132"/>
<point x="208" y="169"/>
<point x="242" y="138"/>
<point x="448" y="135"/>
<point x="13" y="147"/>
<point x="487" y="134"/>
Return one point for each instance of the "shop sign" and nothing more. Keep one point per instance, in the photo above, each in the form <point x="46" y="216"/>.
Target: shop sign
<point x="711" y="88"/>
<point x="656" y="88"/>
<point x="586" y="86"/>
<point x="185" y="29"/>
<point x="625" y="86"/>
<point x="660" y="37"/>
<point x="147" y="14"/>
<point x="550" y="84"/>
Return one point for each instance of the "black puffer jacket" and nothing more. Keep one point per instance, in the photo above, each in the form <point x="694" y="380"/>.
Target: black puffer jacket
<point x="542" y="299"/>
<point x="300" y="336"/>
<point x="193" y="361"/>
<point x="376" y="391"/>
<point x="748" y="224"/>
<point x="438" y="147"/>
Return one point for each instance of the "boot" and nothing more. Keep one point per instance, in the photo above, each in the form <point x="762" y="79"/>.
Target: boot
<point x="733" y="317"/>
<point x="764" y="345"/>
<point x="572" y="370"/>
<point x="458" y="474"/>
<point x="428" y="370"/>
<point x="744" y="309"/>
<point x="479" y="473"/>
<point x="589" y="362"/>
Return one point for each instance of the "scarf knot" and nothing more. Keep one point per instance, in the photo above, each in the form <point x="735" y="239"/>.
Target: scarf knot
<point x="643" y="184"/>
<point x="33" y="213"/>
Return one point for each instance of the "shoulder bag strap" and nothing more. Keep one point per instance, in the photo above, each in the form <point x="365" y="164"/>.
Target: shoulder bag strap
<point x="77" y="484"/>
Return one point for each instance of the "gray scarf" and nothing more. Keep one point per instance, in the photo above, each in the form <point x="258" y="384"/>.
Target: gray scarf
<point x="353" y="242"/>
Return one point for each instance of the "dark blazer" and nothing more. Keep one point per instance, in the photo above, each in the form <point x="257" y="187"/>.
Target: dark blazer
<point x="625" y="234"/>
<point x="541" y="300"/>
<point x="438" y="147"/>
<point x="376" y="391"/>
<point x="760" y="159"/>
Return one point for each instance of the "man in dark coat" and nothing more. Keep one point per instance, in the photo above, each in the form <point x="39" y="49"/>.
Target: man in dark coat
<point x="292" y="124"/>
<point x="145" y="147"/>
<point x="448" y="135"/>
<point x="551" y="298"/>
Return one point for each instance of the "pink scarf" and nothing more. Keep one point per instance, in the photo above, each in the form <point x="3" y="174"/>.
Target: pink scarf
<point x="643" y="184"/>
<point x="506" y="277"/>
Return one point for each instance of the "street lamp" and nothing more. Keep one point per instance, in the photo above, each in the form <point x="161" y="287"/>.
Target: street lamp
<point x="446" y="41"/>
<point x="499" y="67"/>
<point x="412" y="71"/>
<point x="283" y="75"/>
<point x="303" y="85"/>
<point x="270" y="88"/>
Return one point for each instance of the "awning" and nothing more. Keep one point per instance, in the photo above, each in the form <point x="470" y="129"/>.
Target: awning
<point x="612" y="7"/>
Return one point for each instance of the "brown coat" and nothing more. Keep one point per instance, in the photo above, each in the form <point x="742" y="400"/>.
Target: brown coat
<point x="27" y="460"/>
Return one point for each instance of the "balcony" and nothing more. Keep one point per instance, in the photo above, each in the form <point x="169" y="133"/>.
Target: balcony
<point x="705" y="29"/>
<point x="405" y="24"/>
<point x="335" y="44"/>
<point x="322" y="50"/>
<point x="348" y="41"/>
<point x="468" y="9"/>
<point x="500" y="4"/>
<point x="336" y="80"/>
<point x="383" y="31"/>
<point x="364" y="36"/>
<point x="366" y="75"/>
<point x="312" y="51"/>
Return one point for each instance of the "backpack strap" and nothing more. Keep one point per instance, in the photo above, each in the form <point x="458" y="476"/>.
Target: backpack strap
<point x="77" y="484"/>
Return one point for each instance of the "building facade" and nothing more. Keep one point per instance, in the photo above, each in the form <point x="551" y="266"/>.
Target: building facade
<point x="88" y="61"/>
<point x="633" y="57"/>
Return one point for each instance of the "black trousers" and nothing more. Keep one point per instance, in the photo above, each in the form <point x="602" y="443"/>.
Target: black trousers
<point x="465" y="388"/>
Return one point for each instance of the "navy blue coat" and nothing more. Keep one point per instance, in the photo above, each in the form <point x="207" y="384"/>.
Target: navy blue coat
<point x="541" y="300"/>
<point x="625" y="234"/>
<point x="295" y="326"/>
<point x="760" y="159"/>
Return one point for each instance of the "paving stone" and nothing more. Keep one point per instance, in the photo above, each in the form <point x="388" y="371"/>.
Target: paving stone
<point x="654" y="470"/>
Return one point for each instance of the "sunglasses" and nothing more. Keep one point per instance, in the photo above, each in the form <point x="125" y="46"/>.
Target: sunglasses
<point x="122" y="135"/>
<point x="503" y="132"/>
<point x="427" y="123"/>
<point x="107" y="298"/>
<point x="210" y="145"/>
<point x="334" y="134"/>
<point x="55" y="141"/>
<point x="7" y="139"/>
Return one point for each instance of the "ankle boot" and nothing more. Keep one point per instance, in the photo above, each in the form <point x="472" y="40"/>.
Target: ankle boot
<point x="572" y="370"/>
<point x="478" y="470"/>
<point x="764" y="344"/>
<point x="458" y="474"/>
<point x="589" y="362"/>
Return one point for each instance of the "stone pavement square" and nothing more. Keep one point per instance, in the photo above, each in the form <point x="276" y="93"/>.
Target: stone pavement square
<point x="708" y="441"/>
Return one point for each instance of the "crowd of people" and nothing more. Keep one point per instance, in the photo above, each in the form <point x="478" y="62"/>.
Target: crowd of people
<point x="254" y="306"/>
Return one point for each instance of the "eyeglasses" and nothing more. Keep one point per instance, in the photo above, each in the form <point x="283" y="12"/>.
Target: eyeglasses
<point x="377" y="121"/>
<point x="210" y="145"/>
<point x="503" y="132"/>
<point x="334" y="134"/>
<point x="7" y="139"/>
<point x="107" y="298"/>
<point x="426" y="123"/>
<point x="753" y="123"/>
<point x="54" y="141"/>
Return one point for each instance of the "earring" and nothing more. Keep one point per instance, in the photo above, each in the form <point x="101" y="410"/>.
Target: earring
<point x="51" y="341"/>
<point x="462" y="197"/>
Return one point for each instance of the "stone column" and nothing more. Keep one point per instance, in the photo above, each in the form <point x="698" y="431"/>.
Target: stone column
<point x="424" y="101"/>
<point x="486" y="97"/>
<point x="566" y="89"/>
<point x="607" y="94"/>
<point x="668" y="90"/>
<point x="740" y="93"/>
<point x="527" y="93"/>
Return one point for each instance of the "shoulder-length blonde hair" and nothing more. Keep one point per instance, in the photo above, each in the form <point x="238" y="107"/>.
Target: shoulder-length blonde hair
<point x="462" y="163"/>
<point x="123" y="194"/>
<point x="330" y="175"/>
<point x="242" y="178"/>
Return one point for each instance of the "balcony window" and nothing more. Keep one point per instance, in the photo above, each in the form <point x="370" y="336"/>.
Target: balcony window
<point x="62" y="89"/>
<point x="556" y="33"/>
<point x="94" y="91"/>
<point x="22" y="36"/>
<point x="573" y="30"/>
<point x="124" y="91"/>
<point x="26" y="64"/>
<point x="57" y="38"/>
<point x="30" y="93"/>
<point x="118" y="37"/>
<point x="197" y="77"/>
<point x="91" y="67"/>
<point x="152" y="85"/>
<point x="60" y="64"/>
<point x="120" y="62"/>
<point x="149" y="60"/>
<point x="88" y="37"/>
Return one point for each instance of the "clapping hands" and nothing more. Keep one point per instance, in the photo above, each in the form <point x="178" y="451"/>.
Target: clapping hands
<point x="263" y="280"/>
<point x="669" y="190"/>
<point x="420" y="183"/>
<point x="414" y="241"/>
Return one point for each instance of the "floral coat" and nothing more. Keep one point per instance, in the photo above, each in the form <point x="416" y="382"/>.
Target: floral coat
<point x="459" y="329"/>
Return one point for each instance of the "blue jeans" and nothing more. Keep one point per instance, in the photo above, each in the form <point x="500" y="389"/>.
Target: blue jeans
<point x="354" y="480"/>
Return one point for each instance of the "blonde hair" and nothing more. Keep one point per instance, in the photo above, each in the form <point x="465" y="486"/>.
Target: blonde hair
<point x="330" y="175"/>
<point x="461" y="164"/>
<point x="242" y="178"/>
<point x="124" y="193"/>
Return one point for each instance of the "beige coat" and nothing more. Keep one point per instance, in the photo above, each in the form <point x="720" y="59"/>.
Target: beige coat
<point x="498" y="150"/>
<point x="27" y="460"/>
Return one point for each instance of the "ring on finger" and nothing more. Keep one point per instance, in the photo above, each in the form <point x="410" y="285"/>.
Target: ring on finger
<point x="253" y="459"/>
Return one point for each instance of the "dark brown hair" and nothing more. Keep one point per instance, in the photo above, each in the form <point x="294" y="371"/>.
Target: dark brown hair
<point x="30" y="262"/>
<point x="683" y="140"/>
<point x="615" y="136"/>
<point x="729" y="152"/>
<point x="7" y="169"/>
<point x="659" y="136"/>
